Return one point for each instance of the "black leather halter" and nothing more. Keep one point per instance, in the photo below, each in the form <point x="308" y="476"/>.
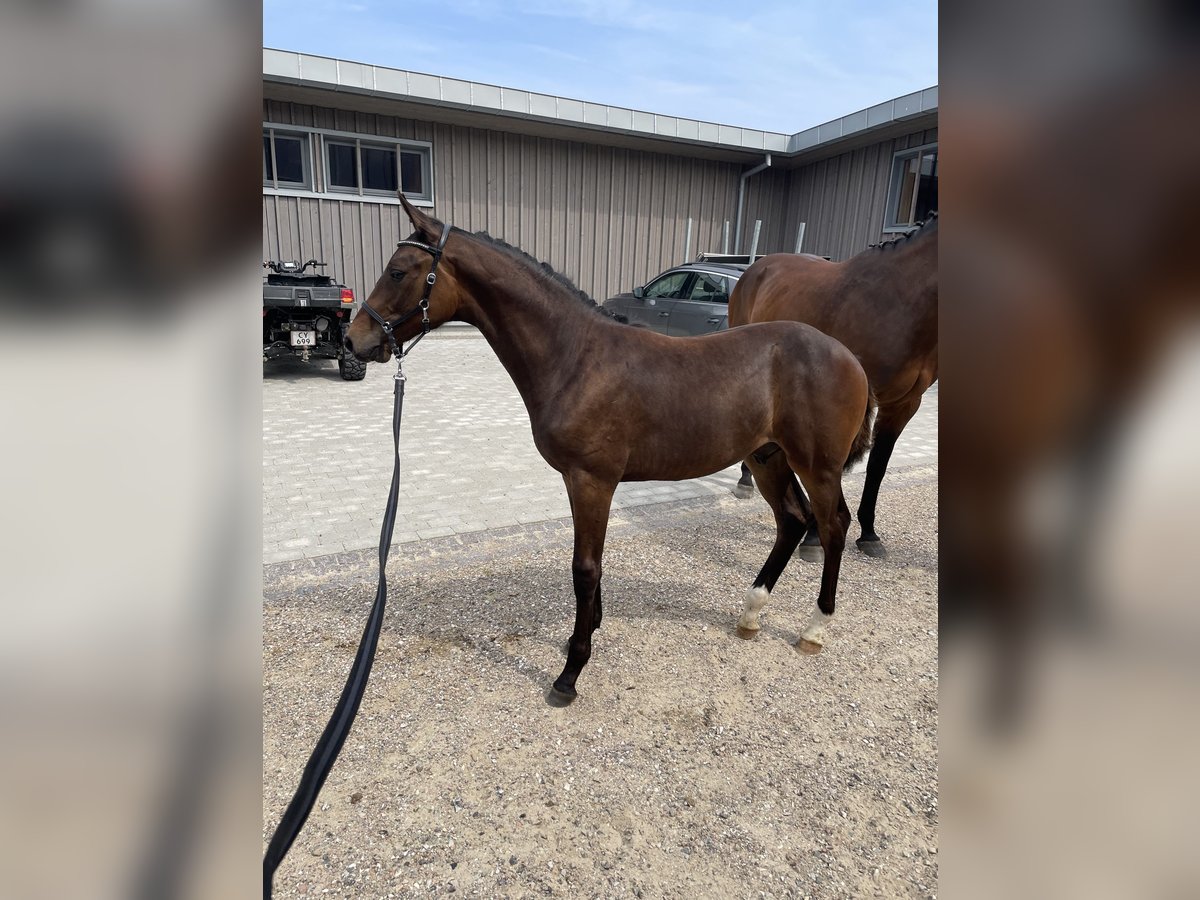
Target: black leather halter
<point x="422" y="306"/>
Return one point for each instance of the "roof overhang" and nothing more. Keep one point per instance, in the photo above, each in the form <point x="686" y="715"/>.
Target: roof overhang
<point x="323" y="81"/>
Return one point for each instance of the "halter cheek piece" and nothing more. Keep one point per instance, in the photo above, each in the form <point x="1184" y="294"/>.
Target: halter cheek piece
<point x="422" y="306"/>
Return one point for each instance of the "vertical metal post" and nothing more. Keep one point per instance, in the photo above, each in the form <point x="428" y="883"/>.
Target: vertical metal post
<point x="687" y="242"/>
<point x="800" y="237"/>
<point x="754" y="240"/>
<point x="725" y="238"/>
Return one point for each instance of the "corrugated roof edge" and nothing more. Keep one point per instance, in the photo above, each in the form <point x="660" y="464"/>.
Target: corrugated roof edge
<point x="344" y="75"/>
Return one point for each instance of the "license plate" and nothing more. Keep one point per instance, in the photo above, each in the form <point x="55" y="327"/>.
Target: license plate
<point x="303" y="338"/>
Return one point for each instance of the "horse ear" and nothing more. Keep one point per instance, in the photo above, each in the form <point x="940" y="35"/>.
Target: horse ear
<point x="428" y="226"/>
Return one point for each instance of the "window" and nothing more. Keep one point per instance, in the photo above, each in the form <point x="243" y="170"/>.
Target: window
<point x="709" y="288"/>
<point x="318" y="161"/>
<point x="286" y="160"/>
<point x="667" y="286"/>
<point x="375" y="168"/>
<point x="914" y="191"/>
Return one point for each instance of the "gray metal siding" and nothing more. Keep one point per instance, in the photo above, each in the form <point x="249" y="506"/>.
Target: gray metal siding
<point x="606" y="217"/>
<point x="843" y="198"/>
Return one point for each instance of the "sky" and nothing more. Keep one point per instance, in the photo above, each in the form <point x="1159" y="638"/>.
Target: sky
<point x="779" y="66"/>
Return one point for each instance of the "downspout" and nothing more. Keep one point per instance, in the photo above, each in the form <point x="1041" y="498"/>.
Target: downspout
<point x="765" y="164"/>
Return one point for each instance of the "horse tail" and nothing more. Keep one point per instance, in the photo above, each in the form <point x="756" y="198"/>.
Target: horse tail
<point x="862" y="440"/>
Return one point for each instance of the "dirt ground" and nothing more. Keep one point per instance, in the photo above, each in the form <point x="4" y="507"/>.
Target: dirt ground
<point x="693" y="764"/>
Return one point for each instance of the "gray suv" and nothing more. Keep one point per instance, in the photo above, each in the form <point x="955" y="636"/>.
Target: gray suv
<point x="686" y="300"/>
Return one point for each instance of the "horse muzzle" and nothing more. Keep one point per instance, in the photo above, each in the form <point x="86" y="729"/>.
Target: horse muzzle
<point x="380" y="352"/>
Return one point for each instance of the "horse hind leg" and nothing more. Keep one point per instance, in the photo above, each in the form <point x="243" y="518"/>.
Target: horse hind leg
<point x="781" y="490"/>
<point x="810" y="546"/>
<point x="832" y="519"/>
<point x="744" y="489"/>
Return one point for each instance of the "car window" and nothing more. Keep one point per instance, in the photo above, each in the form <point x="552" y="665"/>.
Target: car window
<point x="668" y="285"/>
<point x="710" y="288"/>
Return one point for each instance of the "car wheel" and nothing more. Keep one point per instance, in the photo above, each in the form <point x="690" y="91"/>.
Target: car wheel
<point x="352" y="368"/>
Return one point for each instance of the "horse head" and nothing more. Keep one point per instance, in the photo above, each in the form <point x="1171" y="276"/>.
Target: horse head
<point x="418" y="272"/>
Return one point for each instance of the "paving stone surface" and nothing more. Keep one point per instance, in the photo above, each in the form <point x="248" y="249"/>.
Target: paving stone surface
<point x="468" y="463"/>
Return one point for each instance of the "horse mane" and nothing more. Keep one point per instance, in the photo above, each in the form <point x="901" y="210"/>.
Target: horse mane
<point x="927" y="224"/>
<point x="543" y="271"/>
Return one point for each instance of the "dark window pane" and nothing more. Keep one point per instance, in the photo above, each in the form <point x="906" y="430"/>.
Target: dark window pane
<point x="379" y="169"/>
<point x="927" y="191"/>
<point x="289" y="159"/>
<point x="411" y="175"/>
<point x="343" y="172"/>
<point x="267" y="171"/>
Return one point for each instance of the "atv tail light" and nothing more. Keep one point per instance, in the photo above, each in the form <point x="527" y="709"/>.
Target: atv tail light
<point x="347" y="295"/>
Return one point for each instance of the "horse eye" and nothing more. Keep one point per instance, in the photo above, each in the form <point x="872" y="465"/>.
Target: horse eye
<point x="396" y="276"/>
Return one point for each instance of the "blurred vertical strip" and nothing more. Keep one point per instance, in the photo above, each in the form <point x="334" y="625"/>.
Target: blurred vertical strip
<point x="129" y="449"/>
<point x="1068" y="725"/>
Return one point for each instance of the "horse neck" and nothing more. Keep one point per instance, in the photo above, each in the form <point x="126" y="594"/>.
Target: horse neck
<point x="538" y="332"/>
<point x="923" y="263"/>
<point x="911" y="269"/>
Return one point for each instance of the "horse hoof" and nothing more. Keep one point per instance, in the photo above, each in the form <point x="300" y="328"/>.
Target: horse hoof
<point x="807" y="647"/>
<point x="747" y="634"/>
<point x="810" y="553"/>
<point x="873" y="548"/>
<point x="560" y="697"/>
<point x="743" y="491"/>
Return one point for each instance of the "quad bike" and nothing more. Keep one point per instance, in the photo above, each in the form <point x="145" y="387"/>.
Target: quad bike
<point x="306" y="314"/>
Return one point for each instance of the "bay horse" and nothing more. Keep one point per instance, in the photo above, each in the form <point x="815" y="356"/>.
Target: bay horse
<point x="883" y="305"/>
<point x="609" y="403"/>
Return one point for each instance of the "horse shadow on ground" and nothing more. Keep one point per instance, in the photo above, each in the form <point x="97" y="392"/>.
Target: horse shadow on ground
<point x="508" y="618"/>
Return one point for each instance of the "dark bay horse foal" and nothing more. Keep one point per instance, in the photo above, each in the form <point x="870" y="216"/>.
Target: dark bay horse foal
<point x="610" y="403"/>
<point x="883" y="305"/>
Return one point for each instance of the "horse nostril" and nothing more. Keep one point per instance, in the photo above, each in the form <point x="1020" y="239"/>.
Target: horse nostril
<point x="348" y="344"/>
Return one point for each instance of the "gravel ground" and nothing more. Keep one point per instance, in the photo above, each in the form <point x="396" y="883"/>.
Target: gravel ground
<point x="693" y="764"/>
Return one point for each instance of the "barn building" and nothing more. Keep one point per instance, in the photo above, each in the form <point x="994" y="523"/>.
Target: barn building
<point x="608" y="196"/>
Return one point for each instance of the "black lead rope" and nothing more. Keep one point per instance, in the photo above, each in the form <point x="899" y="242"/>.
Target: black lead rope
<point x="335" y="733"/>
<point x="334" y="736"/>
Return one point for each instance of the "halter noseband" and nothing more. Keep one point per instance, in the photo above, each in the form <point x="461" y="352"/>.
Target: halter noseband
<point x="422" y="306"/>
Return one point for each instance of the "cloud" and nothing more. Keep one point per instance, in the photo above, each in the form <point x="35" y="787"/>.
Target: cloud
<point x="779" y="66"/>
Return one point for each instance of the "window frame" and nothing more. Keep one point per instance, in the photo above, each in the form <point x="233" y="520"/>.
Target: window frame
<point x="320" y="186"/>
<point x="270" y="131"/>
<point x="890" y="222"/>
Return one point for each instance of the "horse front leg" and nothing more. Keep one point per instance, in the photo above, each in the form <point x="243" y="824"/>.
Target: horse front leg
<point x="591" y="499"/>
<point x="890" y="421"/>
